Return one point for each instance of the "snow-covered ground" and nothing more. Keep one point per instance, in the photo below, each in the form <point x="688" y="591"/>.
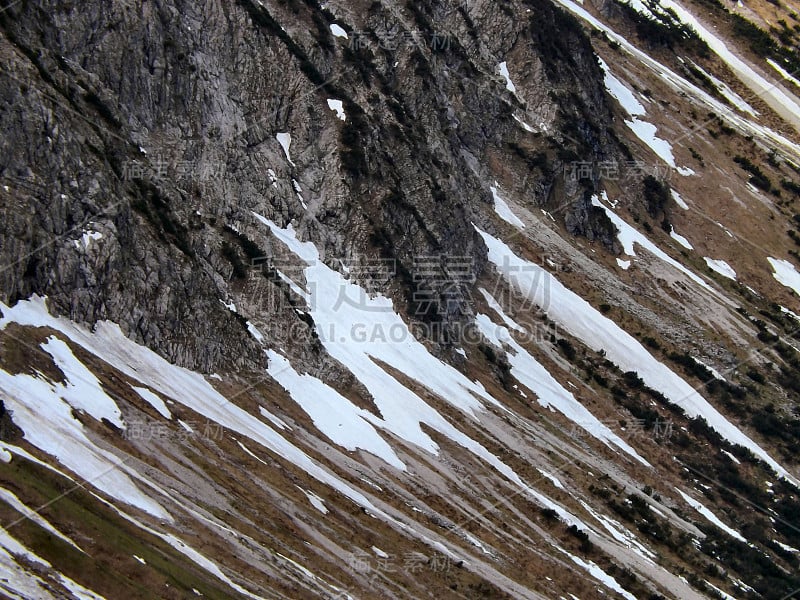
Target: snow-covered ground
<point x="285" y="140"/>
<point x="598" y="332"/>
<point x="699" y="507"/>
<point x="629" y="236"/>
<point x="721" y="267"/>
<point x="786" y="273"/>
<point x="502" y="68"/>
<point x="680" y="239"/>
<point x="502" y="209"/>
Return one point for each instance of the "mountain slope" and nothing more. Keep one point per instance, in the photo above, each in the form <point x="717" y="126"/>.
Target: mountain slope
<point x="399" y="300"/>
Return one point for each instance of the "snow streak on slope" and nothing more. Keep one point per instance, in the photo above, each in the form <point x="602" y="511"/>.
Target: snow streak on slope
<point x="721" y="267"/>
<point x="154" y="401"/>
<point x="11" y="498"/>
<point x="628" y="236"/>
<point x="731" y="96"/>
<point x="196" y="557"/>
<point x="502" y="209"/>
<point x="621" y="93"/>
<point x="680" y="239"/>
<point x="785" y="273"/>
<point x="334" y="415"/>
<point x="82" y="389"/>
<point x="359" y="330"/>
<point x="139" y="363"/>
<point x="678" y="200"/>
<point x="645" y="131"/>
<point x="785" y="105"/>
<point x="551" y="394"/>
<point x="698" y="506"/>
<point x="599" y="574"/>
<point x="783" y="72"/>
<point x="598" y="332"/>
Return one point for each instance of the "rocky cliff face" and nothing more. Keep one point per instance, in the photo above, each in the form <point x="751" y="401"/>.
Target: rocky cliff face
<point x="155" y="126"/>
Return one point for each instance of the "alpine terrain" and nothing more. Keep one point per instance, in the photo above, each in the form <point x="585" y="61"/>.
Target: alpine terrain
<point x="400" y="299"/>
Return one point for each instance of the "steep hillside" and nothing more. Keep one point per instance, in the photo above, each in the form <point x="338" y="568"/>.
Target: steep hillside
<point x="400" y="300"/>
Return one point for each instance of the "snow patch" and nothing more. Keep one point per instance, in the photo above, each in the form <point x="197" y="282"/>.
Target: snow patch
<point x="710" y="516"/>
<point x="503" y="211"/>
<point x="337" y="31"/>
<point x="334" y="415"/>
<point x="503" y="69"/>
<point x="285" y="140"/>
<point x="785" y="273"/>
<point x="337" y="106"/>
<point x="87" y="238"/>
<point x="678" y="200"/>
<point x="316" y="502"/>
<point x="621" y="93"/>
<point x="680" y="239"/>
<point x="721" y="267"/>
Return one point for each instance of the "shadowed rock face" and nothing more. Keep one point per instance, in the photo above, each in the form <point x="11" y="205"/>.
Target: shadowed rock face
<point x="154" y="125"/>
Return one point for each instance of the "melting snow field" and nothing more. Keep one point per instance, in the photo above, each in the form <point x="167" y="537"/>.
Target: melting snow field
<point x="628" y="236"/>
<point x="502" y="209"/>
<point x="698" y="506"/>
<point x="785" y="273"/>
<point x="62" y="436"/>
<point x="334" y="415"/>
<point x="598" y="332"/>
<point x="362" y="331"/>
<point x="721" y="267"/>
<point x="44" y="411"/>
<point x="21" y="582"/>
<point x="337" y="106"/>
<point x="680" y="239"/>
<point x="503" y="70"/>
<point x="285" y="140"/>
<point x="645" y="131"/>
